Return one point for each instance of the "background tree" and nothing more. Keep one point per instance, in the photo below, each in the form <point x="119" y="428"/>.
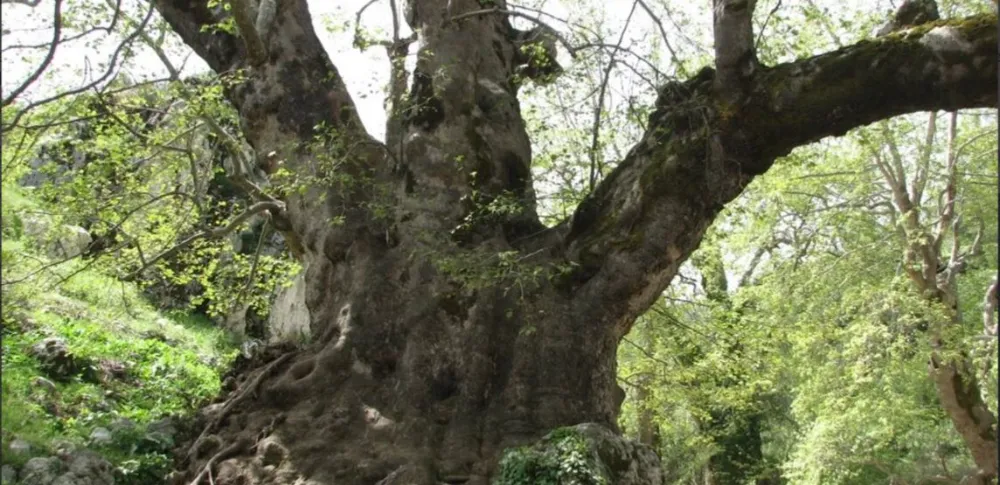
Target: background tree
<point x="837" y="338"/>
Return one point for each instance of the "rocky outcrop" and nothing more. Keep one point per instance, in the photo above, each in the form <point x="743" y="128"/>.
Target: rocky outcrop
<point x="8" y="475"/>
<point x="60" y="242"/>
<point x="81" y="467"/>
<point x="41" y="470"/>
<point x="57" y="361"/>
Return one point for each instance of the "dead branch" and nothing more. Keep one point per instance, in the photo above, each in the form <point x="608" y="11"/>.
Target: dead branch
<point x="990" y="310"/>
<point x="595" y="129"/>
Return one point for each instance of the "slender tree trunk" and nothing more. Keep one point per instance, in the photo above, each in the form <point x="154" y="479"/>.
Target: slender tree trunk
<point x="647" y="423"/>
<point x="950" y="370"/>
<point x="959" y="392"/>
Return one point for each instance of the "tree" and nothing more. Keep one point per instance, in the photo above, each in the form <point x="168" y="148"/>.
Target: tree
<point x="448" y="322"/>
<point x="827" y="318"/>
<point x="934" y="277"/>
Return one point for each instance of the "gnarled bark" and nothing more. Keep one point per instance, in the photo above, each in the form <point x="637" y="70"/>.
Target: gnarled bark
<point x="444" y="333"/>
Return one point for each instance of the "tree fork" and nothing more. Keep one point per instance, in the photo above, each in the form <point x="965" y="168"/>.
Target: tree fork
<point x="421" y="372"/>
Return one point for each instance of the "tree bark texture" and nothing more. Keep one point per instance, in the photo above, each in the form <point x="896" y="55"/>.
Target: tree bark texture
<point x="444" y="333"/>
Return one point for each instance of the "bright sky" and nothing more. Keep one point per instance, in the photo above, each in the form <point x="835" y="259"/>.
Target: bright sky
<point x="80" y="61"/>
<point x="366" y="73"/>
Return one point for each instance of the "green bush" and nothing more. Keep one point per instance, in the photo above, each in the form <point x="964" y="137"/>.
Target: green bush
<point x="563" y="457"/>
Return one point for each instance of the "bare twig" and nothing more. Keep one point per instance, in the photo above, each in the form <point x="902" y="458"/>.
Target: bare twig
<point x="595" y="130"/>
<point x="215" y="233"/>
<point x="763" y="26"/>
<point x="666" y="39"/>
<point x="56" y="35"/>
<point x="107" y="73"/>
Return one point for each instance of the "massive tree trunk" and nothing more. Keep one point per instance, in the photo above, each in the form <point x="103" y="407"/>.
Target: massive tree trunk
<point x="444" y="332"/>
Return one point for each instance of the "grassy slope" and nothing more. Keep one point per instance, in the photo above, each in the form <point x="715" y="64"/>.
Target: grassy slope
<point x="102" y="320"/>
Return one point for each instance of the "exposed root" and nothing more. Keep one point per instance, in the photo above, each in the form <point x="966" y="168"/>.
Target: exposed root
<point x="227" y="452"/>
<point x="247" y="390"/>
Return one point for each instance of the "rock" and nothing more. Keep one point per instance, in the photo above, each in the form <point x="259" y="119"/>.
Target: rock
<point x="41" y="471"/>
<point x="100" y="436"/>
<point x="121" y="426"/>
<point x="162" y="431"/>
<point x="236" y="321"/>
<point x="628" y="462"/>
<point x="175" y="477"/>
<point x="163" y="425"/>
<point x="63" y="242"/>
<point x="35" y="227"/>
<point x="63" y="447"/>
<point x="8" y="475"/>
<point x="271" y="452"/>
<point x="71" y="241"/>
<point x="155" y="335"/>
<point x="56" y="360"/>
<point x="289" y="317"/>
<point x="19" y="447"/>
<point x="87" y="468"/>
<point x="108" y="370"/>
<point x="46" y="385"/>
<point x="210" y="411"/>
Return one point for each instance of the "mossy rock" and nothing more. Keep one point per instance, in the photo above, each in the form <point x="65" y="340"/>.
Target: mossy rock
<point x="585" y="454"/>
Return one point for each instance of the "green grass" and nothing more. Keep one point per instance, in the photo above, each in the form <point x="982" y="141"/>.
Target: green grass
<point x="173" y="360"/>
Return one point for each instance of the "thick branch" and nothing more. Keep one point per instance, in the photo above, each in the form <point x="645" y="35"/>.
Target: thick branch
<point x="942" y="66"/>
<point x="631" y="235"/>
<point x="246" y="19"/>
<point x="193" y="21"/>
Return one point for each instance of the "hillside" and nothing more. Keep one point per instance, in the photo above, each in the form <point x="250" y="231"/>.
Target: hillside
<point x="90" y="367"/>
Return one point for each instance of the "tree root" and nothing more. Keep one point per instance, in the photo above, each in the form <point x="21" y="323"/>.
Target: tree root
<point x="227" y="452"/>
<point x="247" y="389"/>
